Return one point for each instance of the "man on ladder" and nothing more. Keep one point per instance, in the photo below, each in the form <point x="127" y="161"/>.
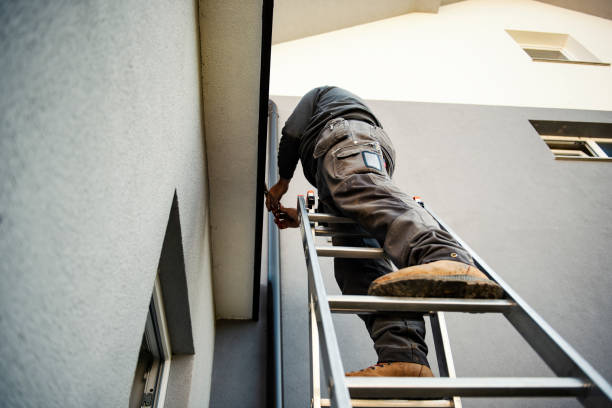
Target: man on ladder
<point x="347" y="155"/>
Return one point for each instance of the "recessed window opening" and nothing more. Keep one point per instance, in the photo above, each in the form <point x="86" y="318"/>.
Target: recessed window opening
<point x="576" y="140"/>
<point x="576" y="146"/>
<point x="536" y="53"/>
<point x="153" y="366"/>
<point x="553" y="47"/>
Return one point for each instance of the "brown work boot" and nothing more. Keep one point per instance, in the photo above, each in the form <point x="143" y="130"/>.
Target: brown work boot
<point x="437" y="279"/>
<point x="397" y="369"/>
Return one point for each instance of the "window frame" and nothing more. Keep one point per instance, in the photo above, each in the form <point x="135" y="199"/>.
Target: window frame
<point x="591" y="142"/>
<point x="164" y="340"/>
<point x="574" y="51"/>
<point x="156" y="341"/>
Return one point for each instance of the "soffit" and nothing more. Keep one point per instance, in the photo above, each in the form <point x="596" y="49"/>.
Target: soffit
<point x="231" y="32"/>
<point x="295" y="19"/>
<point x="599" y="8"/>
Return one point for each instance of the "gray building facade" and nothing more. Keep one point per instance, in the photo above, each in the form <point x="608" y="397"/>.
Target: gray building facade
<point x="542" y="224"/>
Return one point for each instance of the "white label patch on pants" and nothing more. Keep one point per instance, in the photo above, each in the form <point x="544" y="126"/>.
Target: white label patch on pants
<point x="372" y="160"/>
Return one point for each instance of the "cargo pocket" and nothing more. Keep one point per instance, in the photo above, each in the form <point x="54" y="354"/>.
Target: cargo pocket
<point x="359" y="159"/>
<point x="339" y="131"/>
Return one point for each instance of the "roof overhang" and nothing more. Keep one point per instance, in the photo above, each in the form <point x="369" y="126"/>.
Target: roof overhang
<point x="294" y="19"/>
<point x="235" y="40"/>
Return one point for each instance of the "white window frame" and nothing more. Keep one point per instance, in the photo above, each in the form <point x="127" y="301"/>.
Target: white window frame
<point x="591" y="142"/>
<point x="164" y="335"/>
<point x="573" y="50"/>
<point x="157" y="340"/>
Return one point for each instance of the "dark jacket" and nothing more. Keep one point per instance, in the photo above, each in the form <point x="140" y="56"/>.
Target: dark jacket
<point x="314" y="110"/>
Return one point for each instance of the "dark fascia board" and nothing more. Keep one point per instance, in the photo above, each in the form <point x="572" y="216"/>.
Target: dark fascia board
<point x="262" y="135"/>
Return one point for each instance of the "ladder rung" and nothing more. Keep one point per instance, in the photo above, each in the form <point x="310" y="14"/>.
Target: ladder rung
<point x="394" y="403"/>
<point x="331" y="232"/>
<point x="331" y="219"/>
<point x="350" y="252"/>
<point x="372" y="304"/>
<point x="413" y="387"/>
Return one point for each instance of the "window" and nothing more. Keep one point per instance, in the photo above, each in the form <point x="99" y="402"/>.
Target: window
<point x="553" y="47"/>
<point x="546" y="54"/>
<point x="576" y="140"/>
<point x="577" y="146"/>
<point x="153" y="366"/>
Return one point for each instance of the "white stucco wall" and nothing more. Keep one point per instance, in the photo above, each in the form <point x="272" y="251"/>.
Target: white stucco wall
<point x="100" y="121"/>
<point x="462" y="54"/>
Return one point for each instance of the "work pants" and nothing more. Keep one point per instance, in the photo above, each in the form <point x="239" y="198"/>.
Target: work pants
<point x="355" y="161"/>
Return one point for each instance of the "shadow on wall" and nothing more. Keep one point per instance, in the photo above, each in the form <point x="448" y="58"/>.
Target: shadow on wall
<point x="174" y="285"/>
<point x="171" y="296"/>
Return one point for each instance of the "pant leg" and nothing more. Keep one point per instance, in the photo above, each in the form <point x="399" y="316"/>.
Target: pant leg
<point x="396" y="338"/>
<point x="351" y="181"/>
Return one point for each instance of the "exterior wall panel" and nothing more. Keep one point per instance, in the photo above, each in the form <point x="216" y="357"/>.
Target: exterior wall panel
<point x="101" y="121"/>
<point x="542" y="224"/>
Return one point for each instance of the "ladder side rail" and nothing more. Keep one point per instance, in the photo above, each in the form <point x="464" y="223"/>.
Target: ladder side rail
<point x="332" y="360"/>
<point x="315" y="355"/>
<point x="560" y="356"/>
<point x="315" y="373"/>
<point x="444" y="354"/>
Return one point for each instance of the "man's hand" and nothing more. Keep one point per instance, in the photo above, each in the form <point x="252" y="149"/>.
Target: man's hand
<point x="286" y="217"/>
<point x="276" y="192"/>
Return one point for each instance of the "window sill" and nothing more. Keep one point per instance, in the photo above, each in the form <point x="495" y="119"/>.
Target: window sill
<point x="605" y="159"/>
<point x="605" y="64"/>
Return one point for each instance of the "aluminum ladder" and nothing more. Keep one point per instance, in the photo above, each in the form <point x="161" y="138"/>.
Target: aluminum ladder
<point x="575" y="377"/>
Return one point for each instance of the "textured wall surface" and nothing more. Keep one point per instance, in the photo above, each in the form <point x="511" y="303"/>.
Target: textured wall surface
<point x="100" y="121"/>
<point x="544" y="225"/>
<point x="231" y="50"/>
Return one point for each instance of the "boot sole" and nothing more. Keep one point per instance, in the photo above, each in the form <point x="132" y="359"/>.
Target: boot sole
<point x="455" y="286"/>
